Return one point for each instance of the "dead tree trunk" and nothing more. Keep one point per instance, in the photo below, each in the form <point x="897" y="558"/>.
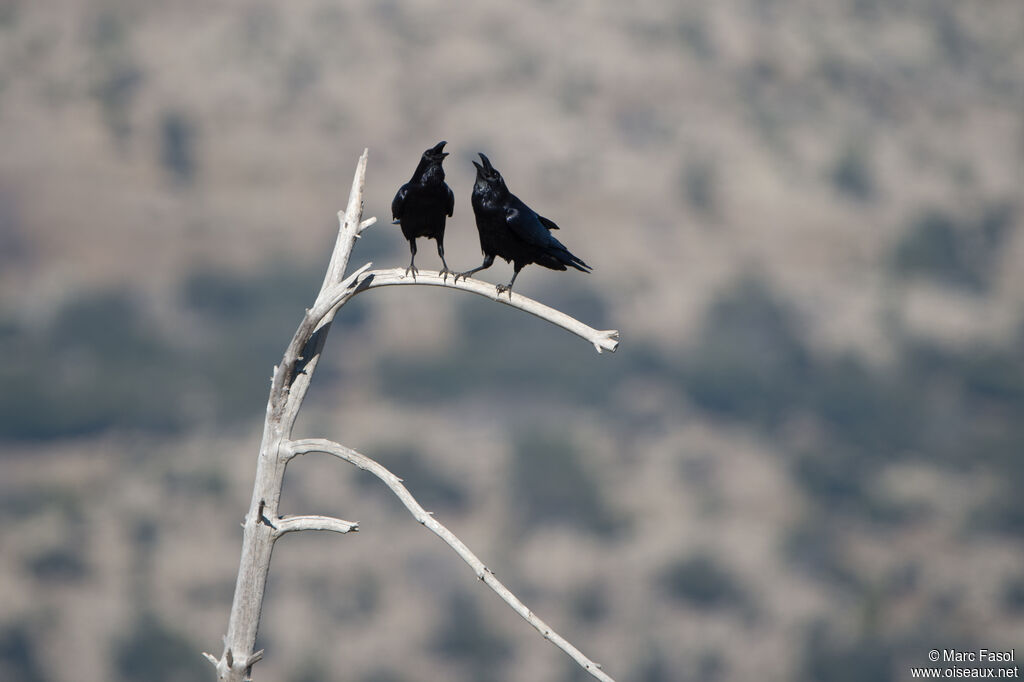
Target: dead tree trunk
<point x="263" y="525"/>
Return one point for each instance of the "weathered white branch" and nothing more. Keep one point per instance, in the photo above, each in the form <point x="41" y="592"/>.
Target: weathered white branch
<point x="602" y="340"/>
<point x="263" y="525"/>
<point x="350" y="225"/>
<point x="290" y="524"/>
<point x="287" y="390"/>
<point x="303" y="446"/>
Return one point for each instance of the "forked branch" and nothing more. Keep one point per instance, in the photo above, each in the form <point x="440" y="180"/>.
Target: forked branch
<point x="301" y="447"/>
<point x="264" y="525"/>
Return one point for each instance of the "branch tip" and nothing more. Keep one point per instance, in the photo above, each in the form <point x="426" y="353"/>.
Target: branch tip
<point x="211" y="658"/>
<point x="607" y="339"/>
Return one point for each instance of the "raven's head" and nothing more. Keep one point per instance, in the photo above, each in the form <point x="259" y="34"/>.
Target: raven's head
<point x="429" y="170"/>
<point x="488" y="179"/>
<point x="436" y="153"/>
<point x="487" y="173"/>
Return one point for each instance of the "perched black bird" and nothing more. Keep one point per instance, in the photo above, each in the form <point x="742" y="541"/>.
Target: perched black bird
<point x="422" y="203"/>
<point x="512" y="230"/>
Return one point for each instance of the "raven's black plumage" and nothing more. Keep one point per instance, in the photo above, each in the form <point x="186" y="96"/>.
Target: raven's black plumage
<point x="512" y="230"/>
<point x="421" y="205"/>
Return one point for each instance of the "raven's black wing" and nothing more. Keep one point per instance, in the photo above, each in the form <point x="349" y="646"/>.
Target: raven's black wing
<point x="398" y="203"/>
<point x="532" y="229"/>
<point x="524" y="224"/>
<point x="451" y="201"/>
<point x="547" y="222"/>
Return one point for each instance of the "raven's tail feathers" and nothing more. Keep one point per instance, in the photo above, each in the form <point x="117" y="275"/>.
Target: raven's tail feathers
<point x="566" y="257"/>
<point x="577" y="263"/>
<point x="562" y="257"/>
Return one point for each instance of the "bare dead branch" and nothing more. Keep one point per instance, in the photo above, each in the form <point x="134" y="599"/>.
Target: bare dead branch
<point x="425" y="518"/>
<point x="290" y="524"/>
<point x="602" y="340"/>
<point x="287" y="390"/>
<point x="350" y="224"/>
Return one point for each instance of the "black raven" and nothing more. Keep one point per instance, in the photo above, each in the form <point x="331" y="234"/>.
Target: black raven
<point x="512" y="230"/>
<point x="420" y="206"/>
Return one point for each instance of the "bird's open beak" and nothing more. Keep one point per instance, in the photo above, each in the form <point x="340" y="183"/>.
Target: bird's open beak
<point x="438" y="149"/>
<point x="487" y="162"/>
<point x="478" y="167"/>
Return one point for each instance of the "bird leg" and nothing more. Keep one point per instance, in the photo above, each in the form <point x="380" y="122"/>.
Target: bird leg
<point x="502" y="288"/>
<point x="412" y="261"/>
<point x="488" y="261"/>
<point x="440" y="252"/>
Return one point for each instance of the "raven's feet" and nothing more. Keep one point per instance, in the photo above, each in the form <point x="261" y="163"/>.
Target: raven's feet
<point x="445" y="272"/>
<point x="502" y="288"/>
<point x="463" y="275"/>
<point x="413" y="269"/>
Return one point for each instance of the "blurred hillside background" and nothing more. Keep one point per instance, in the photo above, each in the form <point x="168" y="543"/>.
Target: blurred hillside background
<point x="804" y="462"/>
